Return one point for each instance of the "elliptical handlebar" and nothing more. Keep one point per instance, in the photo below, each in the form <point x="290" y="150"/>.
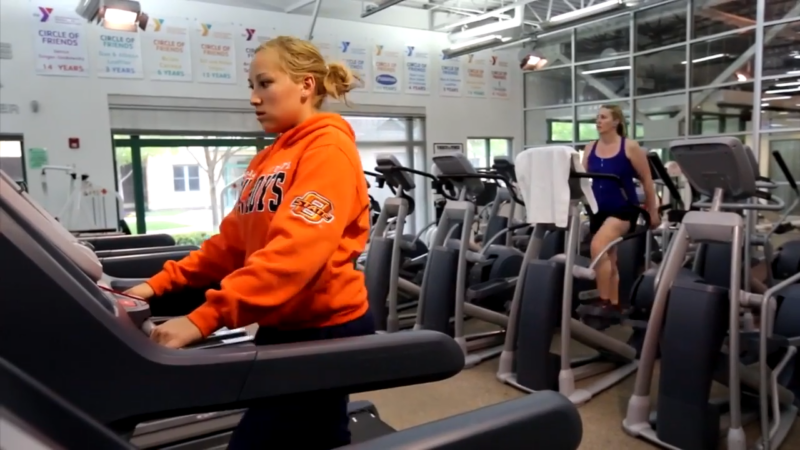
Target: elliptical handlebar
<point x="785" y="169"/>
<point x="658" y="167"/>
<point x="489" y="176"/>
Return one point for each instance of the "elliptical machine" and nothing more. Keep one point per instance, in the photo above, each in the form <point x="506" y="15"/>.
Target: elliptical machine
<point x="543" y="302"/>
<point x="445" y="293"/>
<point x="698" y="325"/>
<point x="394" y="263"/>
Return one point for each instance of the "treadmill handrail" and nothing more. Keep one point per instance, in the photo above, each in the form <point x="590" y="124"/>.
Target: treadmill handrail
<point x="545" y="420"/>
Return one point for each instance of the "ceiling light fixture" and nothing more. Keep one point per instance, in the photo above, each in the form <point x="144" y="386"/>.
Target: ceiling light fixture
<point x="491" y="28"/>
<point x="708" y="58"/>
<point x="605" y="70"/>
<point x="475" y="45"/>
<point x="589" y="11"/>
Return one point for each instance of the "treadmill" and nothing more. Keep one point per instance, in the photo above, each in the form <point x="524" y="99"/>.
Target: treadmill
<point x="81" y="330"/>
<point x="33" y="417"/>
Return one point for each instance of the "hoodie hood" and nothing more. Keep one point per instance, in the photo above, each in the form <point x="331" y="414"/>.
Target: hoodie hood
<point x="315" y="125"/>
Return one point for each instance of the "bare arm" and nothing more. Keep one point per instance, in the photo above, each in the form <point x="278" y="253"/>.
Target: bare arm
<point x="638" y="159"/>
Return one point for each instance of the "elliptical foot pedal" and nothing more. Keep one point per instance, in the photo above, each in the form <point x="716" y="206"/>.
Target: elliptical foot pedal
<point x="601" y="315"/>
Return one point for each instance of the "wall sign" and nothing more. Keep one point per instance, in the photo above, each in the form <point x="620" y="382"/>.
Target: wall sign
<point x="8" y="108"/>
<point x="447" y="148"/>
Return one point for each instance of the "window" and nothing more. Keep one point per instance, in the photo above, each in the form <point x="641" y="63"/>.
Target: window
<point x="186" y="178"/>
<point x="11" y="161"/>
<point x="482" y="151"/>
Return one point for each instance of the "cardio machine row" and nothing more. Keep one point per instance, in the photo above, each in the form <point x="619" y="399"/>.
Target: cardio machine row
<point x="103" y="375"/>
<point x="546" y="295"/>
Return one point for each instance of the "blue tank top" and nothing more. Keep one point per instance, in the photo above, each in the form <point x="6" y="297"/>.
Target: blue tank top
<point x="607" y="192"/>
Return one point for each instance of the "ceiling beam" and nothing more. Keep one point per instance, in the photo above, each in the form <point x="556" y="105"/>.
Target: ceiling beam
<point x="297" y="5"/>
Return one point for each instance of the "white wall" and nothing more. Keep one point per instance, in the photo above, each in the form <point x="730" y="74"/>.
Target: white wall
<point x="79" y="106"/>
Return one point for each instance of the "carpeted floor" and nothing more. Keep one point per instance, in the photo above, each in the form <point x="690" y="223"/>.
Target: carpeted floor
<point x="477" y="387"/>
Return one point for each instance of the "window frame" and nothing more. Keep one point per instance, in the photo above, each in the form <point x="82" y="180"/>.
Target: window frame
<point x="487" y="142"/>
<point x="186" y="178"/>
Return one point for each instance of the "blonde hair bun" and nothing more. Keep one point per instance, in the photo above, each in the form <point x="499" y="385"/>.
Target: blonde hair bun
<point x="301" y="58"/>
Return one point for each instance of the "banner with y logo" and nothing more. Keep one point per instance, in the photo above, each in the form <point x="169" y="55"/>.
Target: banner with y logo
<point x="118" y="54"/>
<point x="498" y="77"/>
<point x="251" y="39"/>
<point x="386" y="63"/>
<point x="451" y="77"/>
<point x="165" y="47"/>
<point x="356" y="54"/>
<point x="416" y="75"/>
<point x="214" y="54"/>
<point x="475" y="79"/>
<point x="59" y="42"/>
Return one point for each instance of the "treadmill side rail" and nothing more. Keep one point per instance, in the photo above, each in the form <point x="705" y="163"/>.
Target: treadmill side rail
<point x="353" y="365"/>
<point x="544" y="420"/>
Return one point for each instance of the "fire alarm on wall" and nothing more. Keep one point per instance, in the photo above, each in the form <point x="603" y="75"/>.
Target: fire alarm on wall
<point x="74" y="143"/>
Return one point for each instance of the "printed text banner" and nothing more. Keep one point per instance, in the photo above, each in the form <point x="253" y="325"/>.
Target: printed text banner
<point x="165" y="46"/>
<point x="498" y="77"/>
<point x="251" y="39"/>
<point x="475" y="77"/>
<point x="60" y="46"/>
<point x="386" y="64"/>
<point x="417" y="70"/>
<point x="451" y="77"/>
<point x="119" y="54"/>
<point x="356" y="55"/>
<point x="214" y="53"/>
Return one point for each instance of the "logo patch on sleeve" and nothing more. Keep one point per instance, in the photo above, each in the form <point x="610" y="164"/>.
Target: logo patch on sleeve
<point x="313" y="208"/>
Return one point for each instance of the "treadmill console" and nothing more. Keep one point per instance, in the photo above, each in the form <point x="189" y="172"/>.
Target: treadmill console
<point x="391" y="169"/>
<point x="455" y="165"/>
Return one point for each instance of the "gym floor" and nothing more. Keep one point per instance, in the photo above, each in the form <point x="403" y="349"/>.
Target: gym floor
<point x="477" y="387"/>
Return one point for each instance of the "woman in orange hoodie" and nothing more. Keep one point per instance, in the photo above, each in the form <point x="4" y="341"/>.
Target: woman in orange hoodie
<point x="284" y="257"/>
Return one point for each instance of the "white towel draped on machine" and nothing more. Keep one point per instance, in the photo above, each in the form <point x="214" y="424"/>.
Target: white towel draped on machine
<point x="543" y="176"/>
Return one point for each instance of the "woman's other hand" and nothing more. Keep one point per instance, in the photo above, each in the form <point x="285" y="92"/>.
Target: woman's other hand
<point x="655" y="218"/>
<point x="176" y="333"/>
<point x="143" y="291"/>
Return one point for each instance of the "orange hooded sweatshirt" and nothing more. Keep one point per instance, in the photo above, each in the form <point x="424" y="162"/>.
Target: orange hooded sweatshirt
<point x="286" y="253"/>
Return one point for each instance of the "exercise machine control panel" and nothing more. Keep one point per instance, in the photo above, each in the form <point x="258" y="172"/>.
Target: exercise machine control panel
<point x="139" y="313"/>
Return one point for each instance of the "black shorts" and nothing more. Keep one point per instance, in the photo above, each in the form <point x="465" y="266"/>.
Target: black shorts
<point x="629" y="215"/>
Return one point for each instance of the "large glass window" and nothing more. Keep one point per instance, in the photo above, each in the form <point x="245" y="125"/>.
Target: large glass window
<point x="185" y="185"/>
<point x="780" y="9"/>
<point x="603" y="39"/>
<point x="722" y="110"/>
<point x="557" y="49"/>
<point x="660" y="117"/>
<point x="661" y="71"/>
<point x="724" y="59"/>
<point x="711" y="17"/>
<point x="537" y="124"/>
<point x="661" y="26"/>
<point x="379" y="129"/>
<point x="548" y="87"/>
<point x="671" y="84"/>
<point x="482" y="151"/>
<point x="603" y="80"/>
<point x="782" y="50"/>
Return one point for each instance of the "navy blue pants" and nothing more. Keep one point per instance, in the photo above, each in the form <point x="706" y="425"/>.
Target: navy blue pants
<point x="316" y="421"/>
